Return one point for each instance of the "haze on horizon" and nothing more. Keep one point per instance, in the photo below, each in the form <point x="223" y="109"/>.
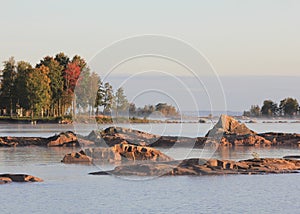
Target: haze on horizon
<point x="253" y="45"/>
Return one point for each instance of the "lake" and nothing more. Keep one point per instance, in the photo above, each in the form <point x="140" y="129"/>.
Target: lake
<point x="69" y="188"/>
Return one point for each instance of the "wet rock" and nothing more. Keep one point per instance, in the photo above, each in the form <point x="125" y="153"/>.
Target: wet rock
<point x="7" y="178"/>
<point x="65" y="139"/>
<point x="119" y="153"/>
<point x="77" y="157"/>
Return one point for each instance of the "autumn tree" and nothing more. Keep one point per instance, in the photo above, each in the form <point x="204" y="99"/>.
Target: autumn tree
<point x="71" y="75"/>
<point x="39" y="90"/>
<point x="62" y="59"/>
<point x="56" y="83"/>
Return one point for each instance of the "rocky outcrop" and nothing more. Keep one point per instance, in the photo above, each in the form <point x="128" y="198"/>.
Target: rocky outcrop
<point x="282" y="139"/>
<point x="77" y="157"/>
<point x="65" y="139"/>
<point x="229" y="125"/>
<point x="8" y="178"/>
<point x="200" y="167"/>
<point x="115" y="135"/>
<point x="119" y="153"/>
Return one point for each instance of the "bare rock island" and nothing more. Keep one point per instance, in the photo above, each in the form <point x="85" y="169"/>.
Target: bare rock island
<point x="65" y="139"/>
<point x="198" y="167"/>
<point x="119" y="153"/>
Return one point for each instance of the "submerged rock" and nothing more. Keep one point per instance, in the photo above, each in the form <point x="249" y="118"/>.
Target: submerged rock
<point x="200" y="167"/>
<point x="7" y="178"/>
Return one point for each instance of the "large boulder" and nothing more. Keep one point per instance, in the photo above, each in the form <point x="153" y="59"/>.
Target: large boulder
<point x="229" y="125"/>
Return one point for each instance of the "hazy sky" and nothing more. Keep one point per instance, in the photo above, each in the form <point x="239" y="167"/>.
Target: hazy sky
<point x="254" y="37"/>
<point x="239" y="37"/>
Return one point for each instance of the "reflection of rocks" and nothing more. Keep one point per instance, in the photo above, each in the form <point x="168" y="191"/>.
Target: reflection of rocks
<point x="207" y="167"/>
<point x="7" y="178"/>
<point x="122" y="152"/>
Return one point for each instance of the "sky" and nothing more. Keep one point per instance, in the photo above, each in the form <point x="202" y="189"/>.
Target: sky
<point x="236" y="38"/>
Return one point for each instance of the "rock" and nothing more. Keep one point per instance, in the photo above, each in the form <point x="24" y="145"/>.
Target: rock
<point x="116" y="135"/>
<point x="19" y="178"/>
<point x="5" y="180"/>
<point x="292" y="157"/>
<point x="244" y="140"/>
<point x="65" y="139"/>
<point x="198" y="167"/>
<point x="228" y="125"/>
<point x="119" y="153"/>
<point x="77" y="157"/>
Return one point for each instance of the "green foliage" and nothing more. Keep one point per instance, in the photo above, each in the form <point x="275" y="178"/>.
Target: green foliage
<point x="255" y="111"/>
<point x="289" y="106"/>
<point x="7" y="92"/>
<point x="269" y="108"/>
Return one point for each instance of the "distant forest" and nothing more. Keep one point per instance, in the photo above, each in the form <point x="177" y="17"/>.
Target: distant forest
<point x="288" y="107"/>
<point x="59" y="86"/>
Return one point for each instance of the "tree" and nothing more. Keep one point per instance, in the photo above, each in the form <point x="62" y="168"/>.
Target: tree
<point x="100" y="97"/>
<point x="167" y="110"/>
<point x="62" y="59"/>
<point x="71" y="75"/>
<point x="8" y="86"/>
<point x="56" y="85"/>
<point x="269" y="108"/>
<point x="21" y="89"/>
<point x="39" y="90"/>
<point x="121" y="102"/>
<point x="255" y="111"/>
<point x="289" y="106"/>
<point x="108" y="99"/>
<point x="132" y="110"/>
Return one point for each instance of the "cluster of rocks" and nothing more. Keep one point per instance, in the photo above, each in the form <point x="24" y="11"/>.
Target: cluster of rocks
<point x="199" y="167"/>
<point x="118" y="153"/>
<point x="8" y="178"/>
<point x="226" y="132"/>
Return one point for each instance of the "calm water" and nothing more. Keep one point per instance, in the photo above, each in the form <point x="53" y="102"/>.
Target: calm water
<point x="69" y="188"/>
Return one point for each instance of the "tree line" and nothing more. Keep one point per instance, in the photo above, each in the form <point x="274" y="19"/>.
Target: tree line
<point x="287" y="107"/>
<point x="59" y="86"/>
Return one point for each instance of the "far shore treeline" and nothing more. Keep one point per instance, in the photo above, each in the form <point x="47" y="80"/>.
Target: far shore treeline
<point x="59" y="86"/>
<point x="288" y="107"/>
